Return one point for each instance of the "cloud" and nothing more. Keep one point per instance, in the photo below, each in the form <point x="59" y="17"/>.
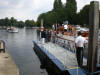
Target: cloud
<point x="19" y="9"/>
<point x="30" y="9"/>
<point x="24" y="9"/>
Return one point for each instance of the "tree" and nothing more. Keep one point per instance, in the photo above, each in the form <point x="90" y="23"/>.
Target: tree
<point x="51" y="18"/>
<point x="73" y="3"/>
<point x="59" y="14"/>
<point x="29" y="23"/>
<point x="55" y="6"/>
<point x="41" y="16"/>
<point x="21" y="24"/>
<point x="2" y="22"/>
<point x="13" y="22"/>
<point x="7" y="21"/>
<point x="60" y="5"/>
<point x="84" y="15"/>
<point x="70" y="9"/>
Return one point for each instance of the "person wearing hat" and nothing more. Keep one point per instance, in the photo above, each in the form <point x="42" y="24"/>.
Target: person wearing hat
<point x="79" y="44"/>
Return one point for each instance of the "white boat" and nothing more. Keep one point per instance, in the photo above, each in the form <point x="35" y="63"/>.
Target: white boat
<point x="13" y="30"/>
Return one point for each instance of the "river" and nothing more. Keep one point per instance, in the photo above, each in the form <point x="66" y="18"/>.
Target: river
<point x="20" y="47"/>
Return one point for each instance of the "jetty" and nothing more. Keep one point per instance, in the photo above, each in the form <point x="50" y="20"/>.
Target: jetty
<point x="7" y="64"/>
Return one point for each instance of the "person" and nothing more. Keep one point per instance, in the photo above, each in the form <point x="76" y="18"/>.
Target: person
<point x="53" y="27"/>
<point x="74" y="31"/>
<point x="47" y="35"/>
<point x="65" y="27"/>
<point x="43" y="36"/>
<point x="79" y="44"/>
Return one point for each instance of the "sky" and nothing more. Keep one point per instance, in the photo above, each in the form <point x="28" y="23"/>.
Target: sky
<point x="30" y="9"/>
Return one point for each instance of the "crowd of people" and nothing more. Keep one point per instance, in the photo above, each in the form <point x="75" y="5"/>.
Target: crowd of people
<point x="65" y="29"/>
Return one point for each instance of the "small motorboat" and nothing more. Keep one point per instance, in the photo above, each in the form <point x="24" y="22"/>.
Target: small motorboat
<point x="13" y="30"/>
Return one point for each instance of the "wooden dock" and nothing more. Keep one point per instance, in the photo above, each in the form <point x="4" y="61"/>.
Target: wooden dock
<point x="7" y="65"/>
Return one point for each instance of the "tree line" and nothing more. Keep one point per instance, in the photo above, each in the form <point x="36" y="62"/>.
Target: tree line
<point x="14" y="22"/>
<point x="65" y="12"/>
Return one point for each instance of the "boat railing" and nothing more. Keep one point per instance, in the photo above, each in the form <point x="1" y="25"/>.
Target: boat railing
<point x="66" y="43"/>
<point x="70" y="45"/>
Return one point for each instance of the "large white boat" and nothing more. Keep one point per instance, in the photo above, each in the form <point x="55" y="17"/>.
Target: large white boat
<point x="13" y="30"/>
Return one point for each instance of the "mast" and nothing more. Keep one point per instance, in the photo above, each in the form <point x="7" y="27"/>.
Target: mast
<point x="41" y="27"/>
<point x="41" y="22"/>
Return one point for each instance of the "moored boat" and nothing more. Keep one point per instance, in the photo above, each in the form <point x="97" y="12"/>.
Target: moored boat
<point x="13" y="30"/>
<point x="57" y="54"/>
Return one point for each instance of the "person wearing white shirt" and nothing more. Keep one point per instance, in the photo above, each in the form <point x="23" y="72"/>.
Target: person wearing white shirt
<point x="80" y="43"/>
<point x="53" y="27"/>
<point x="65" y="28"/>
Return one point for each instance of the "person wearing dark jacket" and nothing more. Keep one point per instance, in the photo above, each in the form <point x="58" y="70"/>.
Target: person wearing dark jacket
<point x="43" y="36"/>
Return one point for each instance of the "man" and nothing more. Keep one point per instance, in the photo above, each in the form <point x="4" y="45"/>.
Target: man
<point x="80" y="43"/>
<point x="65" y="27"/>
<point x="53" y="27"/>
<point x="43" y="36"/>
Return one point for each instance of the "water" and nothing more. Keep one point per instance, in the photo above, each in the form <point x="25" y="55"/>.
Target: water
<point x="20" y="47"/>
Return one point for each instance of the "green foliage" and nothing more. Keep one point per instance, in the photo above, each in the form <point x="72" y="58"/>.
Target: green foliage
<point x="70" y="9"/>
<point x="84" y="15"/>
<point x="2" y="22"/>
<point x="20" y="24"/>
<point x="59" y="13"/>
<point x="60" y="5"/>
<point x="29" y="23"/>
<point x="55" y="5"/>
<point x="51" y="17"/>
<point x="7" y="21"/>
<point x="13" y="22"/>
<point x="41" y="16"/>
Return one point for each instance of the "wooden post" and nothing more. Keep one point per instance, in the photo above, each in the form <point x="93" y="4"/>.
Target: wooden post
<point x="93" y="35"/>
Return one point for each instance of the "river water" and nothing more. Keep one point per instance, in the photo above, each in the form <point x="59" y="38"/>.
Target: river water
<point x="20" y="47"/>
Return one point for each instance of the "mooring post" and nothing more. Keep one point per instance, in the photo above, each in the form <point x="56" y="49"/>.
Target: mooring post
<point x="93" y="36"/>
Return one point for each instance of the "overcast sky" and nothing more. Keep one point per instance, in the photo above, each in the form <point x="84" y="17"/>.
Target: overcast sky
<point x="30" y="9"/>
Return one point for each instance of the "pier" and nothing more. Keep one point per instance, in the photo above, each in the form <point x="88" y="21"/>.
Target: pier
<point x="7" y="64"/>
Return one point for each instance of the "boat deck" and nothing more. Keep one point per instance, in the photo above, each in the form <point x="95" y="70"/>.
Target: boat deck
<point x="66" y="57"/>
